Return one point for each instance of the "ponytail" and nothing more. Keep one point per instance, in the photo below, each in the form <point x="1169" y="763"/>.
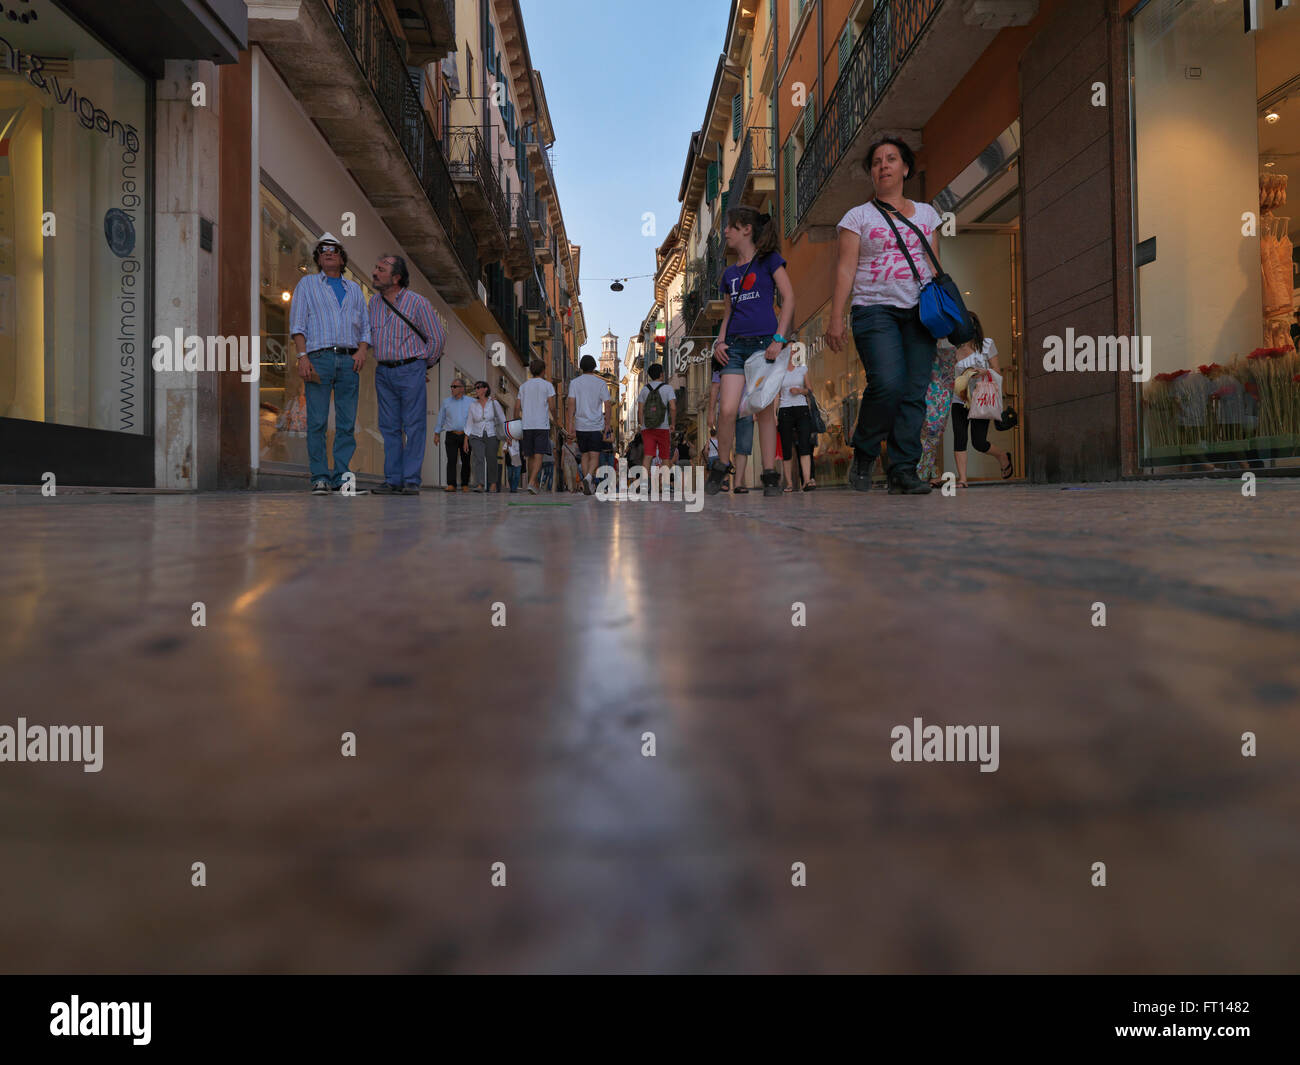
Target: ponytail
<point x="763" y="229"/>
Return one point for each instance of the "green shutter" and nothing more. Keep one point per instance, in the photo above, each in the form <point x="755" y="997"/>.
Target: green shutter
<point x="735" y="117"/>
<point x="846" y="45"/>
<point x="809" y="121"/>
<point x="787" y="182"/>
<point x="711" y="182"/>
<point x="749" y="81"/>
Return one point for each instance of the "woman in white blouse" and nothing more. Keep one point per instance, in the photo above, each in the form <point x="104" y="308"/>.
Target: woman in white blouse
<point x="484" y="426"/>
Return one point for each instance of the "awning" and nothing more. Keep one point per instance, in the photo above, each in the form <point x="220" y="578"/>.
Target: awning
<point x="149" y="32"/>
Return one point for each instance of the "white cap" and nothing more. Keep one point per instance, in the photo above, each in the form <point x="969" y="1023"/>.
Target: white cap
<point x="329" y="238"/>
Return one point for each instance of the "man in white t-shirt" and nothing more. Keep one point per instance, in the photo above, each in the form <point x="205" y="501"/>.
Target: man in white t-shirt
<point x="536" y="406"/>
<point x="587" y="418"/>
<point x="656" y="407"/>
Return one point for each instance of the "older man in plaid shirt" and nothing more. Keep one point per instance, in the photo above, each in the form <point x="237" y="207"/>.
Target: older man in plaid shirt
<point x="408" y="341"/>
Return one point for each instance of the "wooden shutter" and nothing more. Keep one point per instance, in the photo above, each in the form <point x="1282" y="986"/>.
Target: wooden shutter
<point x="735" y="117"/>
<point x="846" y="45"/>
<point x="787" y="183"/>
<point x="809" y="121"/>
<point x="711" y="182"/>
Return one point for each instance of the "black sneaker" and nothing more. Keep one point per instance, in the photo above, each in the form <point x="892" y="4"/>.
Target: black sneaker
<point x="386" y="489"/>
<point x="860" y="471"/>
<point x="908" y="484"/>
<point x="411" y="490"/>
<point x="771" y="483"/>
<point x="320" y="488"/>
<point x="717" y="474"/>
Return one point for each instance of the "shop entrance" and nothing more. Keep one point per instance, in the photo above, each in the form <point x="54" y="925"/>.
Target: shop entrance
<point x="984" y="260"/>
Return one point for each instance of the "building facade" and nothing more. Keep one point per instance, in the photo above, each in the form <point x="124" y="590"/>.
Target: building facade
<point x="213" y="153"/>
<point x="108" y="213"/>
<point x="1057" y="138"/>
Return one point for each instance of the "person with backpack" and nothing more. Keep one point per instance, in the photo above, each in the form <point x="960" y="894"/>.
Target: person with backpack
<point x="656" y="406"/>
<point x="749" y="326"/>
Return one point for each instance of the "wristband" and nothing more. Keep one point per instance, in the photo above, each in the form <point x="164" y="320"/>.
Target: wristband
<point x="779" y="339"/>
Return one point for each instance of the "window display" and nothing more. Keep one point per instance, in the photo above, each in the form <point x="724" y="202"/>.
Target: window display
<point x="75" y="276"/>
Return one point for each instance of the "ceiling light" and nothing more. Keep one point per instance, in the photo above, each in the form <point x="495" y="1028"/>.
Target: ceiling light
<point x="1272" y="116"/>
<point x="286" y="295"/>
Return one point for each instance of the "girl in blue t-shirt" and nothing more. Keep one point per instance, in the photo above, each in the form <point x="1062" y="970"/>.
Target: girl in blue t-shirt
<point x="749" y="325"/>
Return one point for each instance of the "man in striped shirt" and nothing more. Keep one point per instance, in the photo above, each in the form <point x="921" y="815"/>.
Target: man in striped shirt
<point x="330" y="330"/>
<point x="408" y="342"/>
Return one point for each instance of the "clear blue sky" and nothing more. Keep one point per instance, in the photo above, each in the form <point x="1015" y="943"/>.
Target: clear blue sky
<point x="626" y="85"/>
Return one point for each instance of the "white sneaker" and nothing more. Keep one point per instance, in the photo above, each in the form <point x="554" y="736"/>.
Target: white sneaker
<point x="531" y="490"/>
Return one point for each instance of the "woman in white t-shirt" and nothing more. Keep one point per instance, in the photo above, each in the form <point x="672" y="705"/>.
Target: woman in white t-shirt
<point x="794" y="427"/>
<point x="896" y="349"/>
<point x="978" y="353"/>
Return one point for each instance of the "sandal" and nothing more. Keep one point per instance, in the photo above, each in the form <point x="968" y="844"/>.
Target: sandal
<point x="740" y="490"/>
<point x="1009" y="468"/>
<point x="962" y="484"/>
<point x="787" y="490"/>
<point x="811" y="485"/>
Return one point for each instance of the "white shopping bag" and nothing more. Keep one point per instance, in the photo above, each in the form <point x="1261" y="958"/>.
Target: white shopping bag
<point x="985" y="393"/>
<point x="763" y="380"/>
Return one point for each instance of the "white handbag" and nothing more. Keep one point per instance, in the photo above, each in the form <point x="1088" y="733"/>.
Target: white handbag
<point x="763" y="380"/>
<point x="986" y="395"/>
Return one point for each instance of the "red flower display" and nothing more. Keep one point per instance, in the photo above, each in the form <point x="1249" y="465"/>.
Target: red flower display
<point x="1252" y="390"/>
<point x="1267" y="353"/>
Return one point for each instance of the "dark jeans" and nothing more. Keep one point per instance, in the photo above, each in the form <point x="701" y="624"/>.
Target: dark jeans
<point x="455" y="445"/>
<point x="897" y="352"/>
<point x="794" y="427"/>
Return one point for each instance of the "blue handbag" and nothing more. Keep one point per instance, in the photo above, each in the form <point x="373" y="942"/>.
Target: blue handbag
<point x="941" y="307"/>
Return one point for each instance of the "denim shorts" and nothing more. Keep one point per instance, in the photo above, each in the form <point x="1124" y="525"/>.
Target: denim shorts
<point x="741" y="348"/>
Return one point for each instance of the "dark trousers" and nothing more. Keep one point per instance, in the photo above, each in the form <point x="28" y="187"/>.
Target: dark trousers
<point x="794" y="427"/>
<point x="897" y="352"/>
<point x="455" y="445"/>
<point x="979" y="429"/>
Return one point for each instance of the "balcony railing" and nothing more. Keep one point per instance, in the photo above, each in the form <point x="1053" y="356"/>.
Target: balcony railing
<point x="468" y="158"/>
<point x="521" y="259"/>
<point x="881" y="50"/>
<point x="757" y="156"/>
<point x="377" y="54"/>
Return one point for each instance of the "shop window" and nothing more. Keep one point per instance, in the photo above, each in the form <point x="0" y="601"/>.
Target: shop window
<point x="1215" y="132"/>
<point x="287" y="243"/>
<point x="75" y="281"/>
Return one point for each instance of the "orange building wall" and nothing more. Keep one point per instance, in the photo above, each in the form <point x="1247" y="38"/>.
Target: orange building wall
<point x="985" y="102"/>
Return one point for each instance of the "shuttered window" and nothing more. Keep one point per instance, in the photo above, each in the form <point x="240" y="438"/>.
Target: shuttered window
<point x="846" y="45"/>
<point x="735" y="117"/>
<point x="809" y="121"/>
<point x="787" y="183"/>
<point x="711" y="183"/>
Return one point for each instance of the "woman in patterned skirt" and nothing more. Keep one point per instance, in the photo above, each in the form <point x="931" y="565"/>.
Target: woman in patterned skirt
<point x="938" y="401"/>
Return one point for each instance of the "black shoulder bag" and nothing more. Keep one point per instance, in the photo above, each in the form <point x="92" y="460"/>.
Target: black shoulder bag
<point x="423" y="339"/>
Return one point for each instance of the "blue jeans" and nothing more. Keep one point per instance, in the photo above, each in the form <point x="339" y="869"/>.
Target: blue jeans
<point x="741" y="348"/>
<point x="745" y="435"/>
<point x="512" y="472"/>
<point x="897" y="352"/>
<point x="336" y="375"/>
<point x="400" y="391"/>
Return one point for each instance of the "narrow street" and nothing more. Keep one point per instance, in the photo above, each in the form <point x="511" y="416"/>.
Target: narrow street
<point x="522" y="743"/>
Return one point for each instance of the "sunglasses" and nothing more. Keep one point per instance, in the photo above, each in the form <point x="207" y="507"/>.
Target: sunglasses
<point x="328" y="249"/>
